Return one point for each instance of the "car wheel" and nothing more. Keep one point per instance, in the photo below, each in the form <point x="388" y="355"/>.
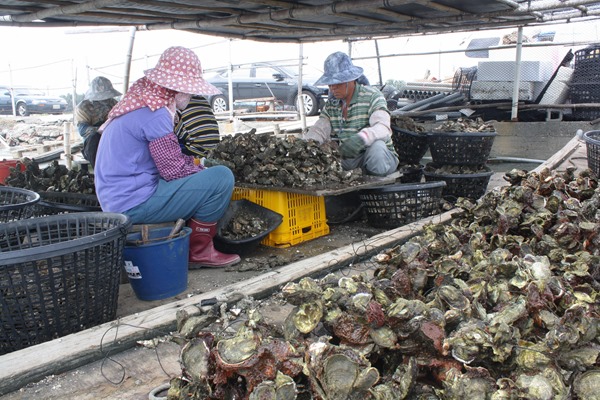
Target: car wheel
<point x="22" y="110"/>
<point x="311" y="104"/>
<point x="219" y="104"/>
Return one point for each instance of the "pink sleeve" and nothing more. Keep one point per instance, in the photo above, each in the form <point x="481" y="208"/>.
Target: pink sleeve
<point x="170" y="161"/>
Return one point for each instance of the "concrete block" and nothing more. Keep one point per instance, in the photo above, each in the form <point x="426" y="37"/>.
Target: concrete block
<point x="500" y="90"/>
<point x="531" y="71"/>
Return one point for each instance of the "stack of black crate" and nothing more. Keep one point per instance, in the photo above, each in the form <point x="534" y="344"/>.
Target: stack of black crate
<point x="585" y="82"/>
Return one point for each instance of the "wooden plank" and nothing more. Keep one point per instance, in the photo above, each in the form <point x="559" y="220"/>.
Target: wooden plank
<point x="563" y="154"/>
<point x="69" y="352"/>
<point x="364" y="182"/>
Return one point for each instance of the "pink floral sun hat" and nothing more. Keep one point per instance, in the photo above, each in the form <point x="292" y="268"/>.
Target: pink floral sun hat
<point x="179" y="69"/>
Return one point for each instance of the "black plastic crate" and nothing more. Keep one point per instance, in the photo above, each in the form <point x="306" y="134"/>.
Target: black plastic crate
<point x="585" y="92"/>
<point x="592" y="142"/>
<point x="248" y="210"/>
<point x="395" y="205"/>
<point x="471" y="186"/>
<point x="16" y="203"/>
<point x="52" y="203"/>
<point x="59" y="274"/>
<point x="586" y="114"/>
<point x="461" y="148"/>
<point x="410" y="146"/>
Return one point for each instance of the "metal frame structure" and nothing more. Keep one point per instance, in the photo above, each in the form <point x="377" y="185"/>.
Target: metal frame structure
<point x="298" y="21"/>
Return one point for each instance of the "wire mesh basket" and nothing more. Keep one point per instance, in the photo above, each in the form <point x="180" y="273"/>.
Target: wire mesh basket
<point x="399" y="204"/>
<point x="59" y="274"/>
<point x="16" y="203"/>
<point x="461" y="148"/>
<point x="52" y="203"/>
<point x="592" y="142"/>
<point x="410" y="146"/>
<point x="471" y="186"/>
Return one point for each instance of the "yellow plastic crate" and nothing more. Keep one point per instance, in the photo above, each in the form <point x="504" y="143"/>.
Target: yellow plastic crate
<point x="303" y="215"/>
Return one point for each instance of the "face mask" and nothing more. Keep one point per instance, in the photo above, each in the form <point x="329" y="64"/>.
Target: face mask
<point x="182" y="100"/>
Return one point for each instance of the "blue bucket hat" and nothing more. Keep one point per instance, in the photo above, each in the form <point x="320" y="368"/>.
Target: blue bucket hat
<point x="339" y="69"/>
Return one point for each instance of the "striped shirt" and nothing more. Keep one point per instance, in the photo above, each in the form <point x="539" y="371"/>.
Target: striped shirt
<point x="365" y="101"/>
<point x="197" y="129"/>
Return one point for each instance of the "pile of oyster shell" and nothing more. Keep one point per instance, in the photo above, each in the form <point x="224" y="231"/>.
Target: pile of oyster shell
<point x="53" y="178"/>
<point x="500" y="303"/>
<point x="465" y="125"/>
<point x="408" y="124"/>
<point x="268" y="160"/>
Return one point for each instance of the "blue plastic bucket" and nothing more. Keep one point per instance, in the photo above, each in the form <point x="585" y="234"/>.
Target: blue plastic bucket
<point x="159" y="269"/>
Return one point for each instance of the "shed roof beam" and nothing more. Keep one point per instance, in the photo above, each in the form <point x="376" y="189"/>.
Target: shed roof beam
<point x="65" y="10"/>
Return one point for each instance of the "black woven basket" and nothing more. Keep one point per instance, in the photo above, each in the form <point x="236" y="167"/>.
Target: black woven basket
<point x="16" y="203"/>
<point x="410" y="146"/>
<point x="460" y="148"/>
<point x="396" y="205"/>
<point x="411" y="173"/>
<point x="592" y="142"/>
<point x="52" y="203"/>
<point x="471" y="186"/>
<point x="58" y="275"/>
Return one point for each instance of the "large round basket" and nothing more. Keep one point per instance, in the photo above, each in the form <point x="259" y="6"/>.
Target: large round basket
<point x="592" y="142"/>
<point x="410" y="146"/>
<point x="460" y="148"/>
<point x="16" y="203"/>
<point x="471" y="186"/>
<point x="52" y="203"/>
<point x="395" y="205"/>
<point x="59" y="275"/>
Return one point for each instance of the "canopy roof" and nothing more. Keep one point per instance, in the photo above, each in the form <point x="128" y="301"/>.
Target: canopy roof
<point x="298" y="21"/>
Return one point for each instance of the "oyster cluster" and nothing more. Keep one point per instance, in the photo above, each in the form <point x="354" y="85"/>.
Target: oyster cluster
<point x="500" y="303"/>
<point x="465" y="125"/>
<point x="408" y="124"/>
<point x="453" y="169"/>
<point x="53" y="178"/>
<point x="244" y="225"/>
<point x="267" y="160"/>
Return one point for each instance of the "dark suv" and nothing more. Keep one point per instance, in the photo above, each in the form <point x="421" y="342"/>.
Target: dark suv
<point x="30" y="101"/>
<point x="261" y="80"/>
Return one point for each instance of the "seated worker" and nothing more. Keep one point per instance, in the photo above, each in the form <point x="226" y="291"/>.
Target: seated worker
<point x="356" y="117"/>
<point x="142" y="171"/>
<point x="93" y="112"/>
<point x="197" y="129"/>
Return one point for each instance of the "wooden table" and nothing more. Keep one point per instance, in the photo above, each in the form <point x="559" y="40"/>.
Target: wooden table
<point x="365" y="182"/>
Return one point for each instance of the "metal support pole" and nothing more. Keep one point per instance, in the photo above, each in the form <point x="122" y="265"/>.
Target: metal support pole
<point x="230" y="85"/>
<point x="378" y="63"/>
<point x="515" y="98"/>
<point x="132" y="31"/>
<point x="67" y="143"/>
<point x="12" y="92"/>
<point x="300" y="102"/>
<point x="74" y="99"/>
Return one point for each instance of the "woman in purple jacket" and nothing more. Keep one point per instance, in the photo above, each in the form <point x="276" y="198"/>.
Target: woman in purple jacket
<point x="140" y="169"/>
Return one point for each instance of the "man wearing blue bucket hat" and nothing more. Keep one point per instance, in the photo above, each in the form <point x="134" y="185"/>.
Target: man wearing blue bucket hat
<point x="356" y="117"/>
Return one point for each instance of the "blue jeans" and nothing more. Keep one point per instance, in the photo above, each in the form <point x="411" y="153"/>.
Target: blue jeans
<point x="203" y="196"/>
<point x="376" y="160"/>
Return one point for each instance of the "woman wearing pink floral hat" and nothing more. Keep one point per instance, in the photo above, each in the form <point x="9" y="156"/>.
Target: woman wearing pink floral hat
<point x="140" y="170"/>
